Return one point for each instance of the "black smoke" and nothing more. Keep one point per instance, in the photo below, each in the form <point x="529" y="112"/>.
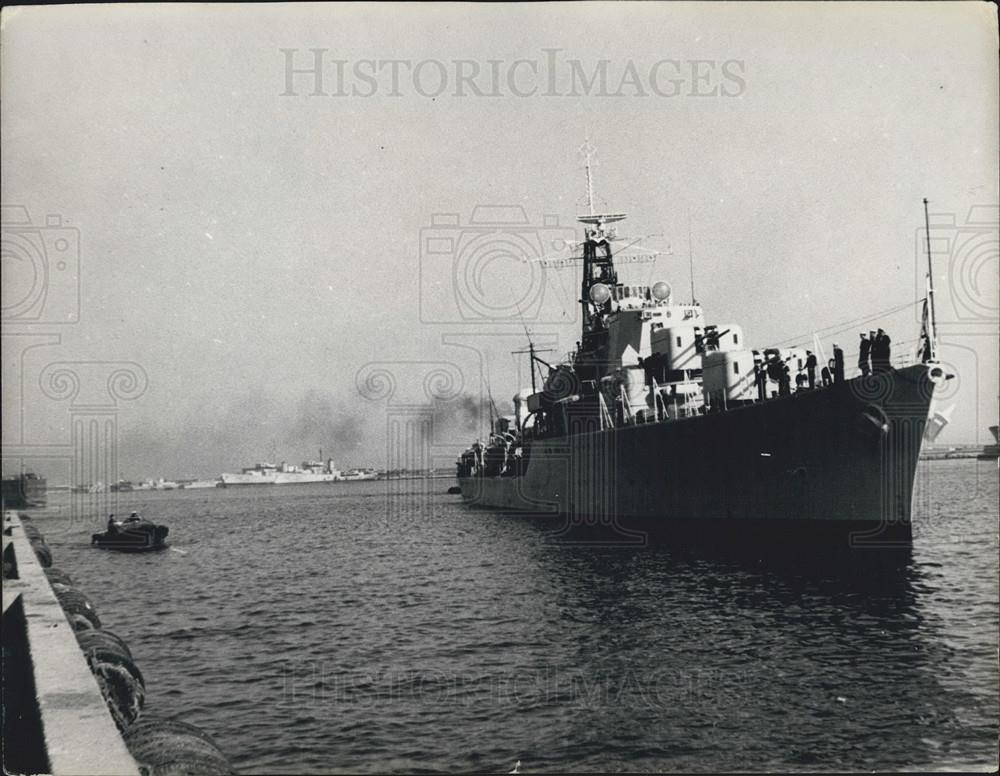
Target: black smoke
<point x="467" y="415"/>
<point x="320" y="422"/>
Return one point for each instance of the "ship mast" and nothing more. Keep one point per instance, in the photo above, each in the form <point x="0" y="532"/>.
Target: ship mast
<point x="531" y="362"/>
<point x="598" y="266"/>
<point x="587" y="149"/>
<point x="533" y="352"/>
<point x="691" y="258"/>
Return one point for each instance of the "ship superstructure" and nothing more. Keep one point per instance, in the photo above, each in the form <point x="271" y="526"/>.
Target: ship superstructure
<point x="663" y="417"/>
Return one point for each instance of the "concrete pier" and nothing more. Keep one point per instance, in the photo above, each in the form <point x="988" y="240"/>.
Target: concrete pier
<point x="55" y="718"/>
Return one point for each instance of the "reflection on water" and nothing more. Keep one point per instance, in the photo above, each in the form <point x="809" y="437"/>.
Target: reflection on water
<point x="309" y="632"/>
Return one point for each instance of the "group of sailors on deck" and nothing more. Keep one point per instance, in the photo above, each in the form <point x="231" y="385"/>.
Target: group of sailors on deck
<point x="770" y="367"/>
<point x="875" y="353"/>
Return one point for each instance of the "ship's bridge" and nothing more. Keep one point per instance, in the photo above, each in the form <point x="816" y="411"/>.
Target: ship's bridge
<point x="663" y="310"/>
<point x="632" y="297"/>
<point x="638" y="320"/>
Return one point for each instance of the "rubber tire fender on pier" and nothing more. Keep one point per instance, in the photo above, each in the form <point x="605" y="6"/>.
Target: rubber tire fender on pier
<point x="37" y="541"/>
<point x="42" y="552"/>
<point x="120" y="680"/>
<point x="31" y="531"/>
<point x="77" y="606"/>
<point x="58" y="576"/>
<point x="169" y="747"/>
<point x="105" y="640"/>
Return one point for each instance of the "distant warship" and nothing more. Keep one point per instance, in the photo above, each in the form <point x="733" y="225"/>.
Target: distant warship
<point x="282" y="474"/>
<point x="660" y="420"/>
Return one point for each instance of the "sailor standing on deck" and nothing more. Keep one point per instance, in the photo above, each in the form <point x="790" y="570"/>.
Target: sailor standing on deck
<point x="811" y="364"/>
<point x="760" y="378"/>
<point x="866" y="347"/>
<point x="881" y="352"/>
<point x="776" y="372"/>
<point x="826" y="373"/>
<point x="838" y="364"/>
<point x="785" y="381"/>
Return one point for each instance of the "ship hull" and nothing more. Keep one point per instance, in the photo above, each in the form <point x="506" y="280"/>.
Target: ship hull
<point x="300" y="478"/>
<point x="839" y="460"/>
<point x="202" y="484"/>
<point x="278" y="478"/>
<point x="231" y="480"/>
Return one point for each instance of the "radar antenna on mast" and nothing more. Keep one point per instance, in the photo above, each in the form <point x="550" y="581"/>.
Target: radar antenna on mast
<point x="592" y="217"/>
<point x="598" y="266"/>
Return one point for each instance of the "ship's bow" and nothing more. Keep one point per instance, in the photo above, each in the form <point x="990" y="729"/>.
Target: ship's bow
<point x="893" y="407"/>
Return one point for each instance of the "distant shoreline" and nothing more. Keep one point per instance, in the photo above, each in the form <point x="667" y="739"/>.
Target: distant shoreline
<point x="383" y="478"/>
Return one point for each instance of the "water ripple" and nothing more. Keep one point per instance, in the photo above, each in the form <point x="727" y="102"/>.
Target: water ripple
<point x="310" y="633"/>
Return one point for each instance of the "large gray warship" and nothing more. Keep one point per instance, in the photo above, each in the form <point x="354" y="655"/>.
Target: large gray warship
<point x="660" y="421"/>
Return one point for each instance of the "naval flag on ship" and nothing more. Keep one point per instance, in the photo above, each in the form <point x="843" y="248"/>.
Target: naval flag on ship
<point x="925" y="339"/>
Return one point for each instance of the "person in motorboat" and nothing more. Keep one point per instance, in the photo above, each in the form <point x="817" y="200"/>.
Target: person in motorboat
<point x="133" y="533"/>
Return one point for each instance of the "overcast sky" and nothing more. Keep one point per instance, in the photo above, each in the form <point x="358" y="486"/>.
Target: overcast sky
<point x="252" y="237"/>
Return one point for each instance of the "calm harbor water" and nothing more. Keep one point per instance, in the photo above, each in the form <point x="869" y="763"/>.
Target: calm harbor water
<point x="320" y="628"/>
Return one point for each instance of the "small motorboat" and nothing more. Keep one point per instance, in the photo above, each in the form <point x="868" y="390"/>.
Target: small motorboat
<point x="134" y="534"/>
